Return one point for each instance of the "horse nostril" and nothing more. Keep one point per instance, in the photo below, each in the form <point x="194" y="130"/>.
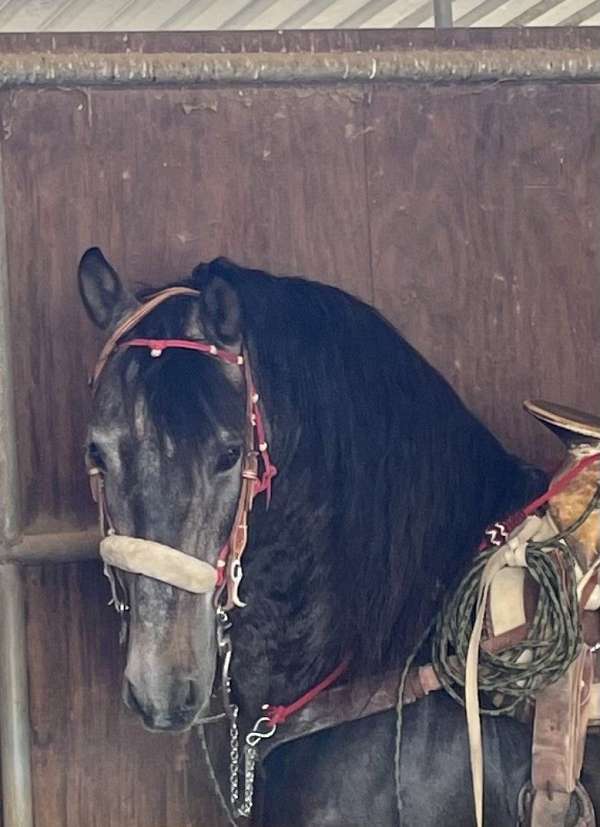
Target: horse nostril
<point x="130" y="699"/>
<point x="192" y="696"/>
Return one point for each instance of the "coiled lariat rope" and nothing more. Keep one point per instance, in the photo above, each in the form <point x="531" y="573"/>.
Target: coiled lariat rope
<point x="551" y="641"/>
<point x="508" y="678"/>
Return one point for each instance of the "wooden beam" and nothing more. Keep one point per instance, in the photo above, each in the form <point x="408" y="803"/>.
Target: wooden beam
<point x="60" y="547"/>
<point x="69" y="70"/>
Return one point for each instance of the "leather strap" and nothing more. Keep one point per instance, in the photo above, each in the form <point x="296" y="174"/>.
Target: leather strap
<point x="255" y="443"/>
<point x="512" y="553"/>
<point x="354" y="701"/>
<point x="131" y="321"/>
<point x="559" y="732"/>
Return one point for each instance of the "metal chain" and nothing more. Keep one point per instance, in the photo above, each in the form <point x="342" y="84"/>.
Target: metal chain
<point x="234" y="759"/>
<point x="263" y="728"/>
<point x="250" y="758"/>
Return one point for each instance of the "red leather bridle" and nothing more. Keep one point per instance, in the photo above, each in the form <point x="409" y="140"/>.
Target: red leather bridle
<point x="256" y="478"/>
<point x="256" y="449"/>
<point x="229" y="563"/>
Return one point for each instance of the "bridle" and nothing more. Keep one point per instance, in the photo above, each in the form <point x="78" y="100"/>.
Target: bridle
<point x="149" y="558"/>
<point x="255" y="452"/>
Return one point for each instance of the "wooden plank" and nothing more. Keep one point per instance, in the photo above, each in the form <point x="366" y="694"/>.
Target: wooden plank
<point x="160" y="179"/>
<point x="484" y="221"/>
<point x="302" y="40"/>
<point x="165" y="41"/>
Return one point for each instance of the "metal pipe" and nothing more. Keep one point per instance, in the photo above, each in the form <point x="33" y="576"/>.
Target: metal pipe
<point x="70" y="546"/>
<point x="442" y="14"/>
<point x="9" y="477"/>
<point x="15" y="746"/>
<point x="56" y="69"/>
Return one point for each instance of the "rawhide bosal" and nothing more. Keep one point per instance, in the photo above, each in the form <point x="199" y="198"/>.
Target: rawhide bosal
<point x="160" y="562"/>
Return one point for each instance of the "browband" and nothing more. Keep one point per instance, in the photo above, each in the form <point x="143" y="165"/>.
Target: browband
<point x="131" y="321"/>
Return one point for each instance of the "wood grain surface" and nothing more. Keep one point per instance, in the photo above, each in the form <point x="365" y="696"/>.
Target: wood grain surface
<point x="469" y="214"/>
<point x="160" y="180"/>
<point x="484" y="214"/>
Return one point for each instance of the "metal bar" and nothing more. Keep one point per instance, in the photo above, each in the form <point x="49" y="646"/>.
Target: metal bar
<point x="305" y="14"/>
<point x="9" y="477"/>
<point x="364" y="13"/>
<point x="442" y="14"/>
<point x="481" y="10"/>
<point x="15" y="746"/>
<point x="179" y="19"/>
<point x="417" y="65"/>
<point x="415" y="18"/>
<point x="581" y="16"/>
<point x="70" y="546"/>
<point x="533" y="12"/>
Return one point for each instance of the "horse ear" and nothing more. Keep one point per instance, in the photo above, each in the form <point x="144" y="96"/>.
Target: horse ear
<point x="102" y="293"/>
<point x="221" y="306"/>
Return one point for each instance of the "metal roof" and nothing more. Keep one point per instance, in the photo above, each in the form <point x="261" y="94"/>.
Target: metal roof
<point x="194" y="15"/>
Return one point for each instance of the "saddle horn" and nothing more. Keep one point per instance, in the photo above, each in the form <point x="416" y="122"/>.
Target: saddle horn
<point x="580" y="433"/>
<point x="574" y="428"/>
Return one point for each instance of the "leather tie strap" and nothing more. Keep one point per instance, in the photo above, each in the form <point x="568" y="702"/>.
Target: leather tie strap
<point x="513" y="553"/>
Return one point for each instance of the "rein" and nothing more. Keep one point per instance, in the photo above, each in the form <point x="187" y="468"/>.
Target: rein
<point x="497" y="533"/>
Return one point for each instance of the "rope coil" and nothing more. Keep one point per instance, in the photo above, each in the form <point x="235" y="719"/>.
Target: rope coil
<point x="506" y="678"/>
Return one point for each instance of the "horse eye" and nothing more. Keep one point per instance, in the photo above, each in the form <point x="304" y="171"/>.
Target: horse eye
<point x="94" y="456"/>
<point x="228" y="458"/>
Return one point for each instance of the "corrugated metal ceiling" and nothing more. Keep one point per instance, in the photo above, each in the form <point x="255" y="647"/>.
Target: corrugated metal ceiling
<point x="148" y="15"/>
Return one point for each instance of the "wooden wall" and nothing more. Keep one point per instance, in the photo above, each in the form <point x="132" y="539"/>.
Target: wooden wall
<point x="470" y="214"/>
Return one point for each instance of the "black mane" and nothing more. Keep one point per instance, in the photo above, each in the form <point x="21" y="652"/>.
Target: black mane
<point x="386" y="482"/>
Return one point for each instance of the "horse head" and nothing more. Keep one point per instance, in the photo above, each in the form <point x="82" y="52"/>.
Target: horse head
<point x="385" y="483"/>
<point x="167" y="435"/>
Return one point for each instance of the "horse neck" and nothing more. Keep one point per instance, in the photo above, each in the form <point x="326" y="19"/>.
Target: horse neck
<point x="285" y="639"/>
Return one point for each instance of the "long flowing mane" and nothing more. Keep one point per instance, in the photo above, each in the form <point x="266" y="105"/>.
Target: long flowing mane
<point x="386" y="481"/>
